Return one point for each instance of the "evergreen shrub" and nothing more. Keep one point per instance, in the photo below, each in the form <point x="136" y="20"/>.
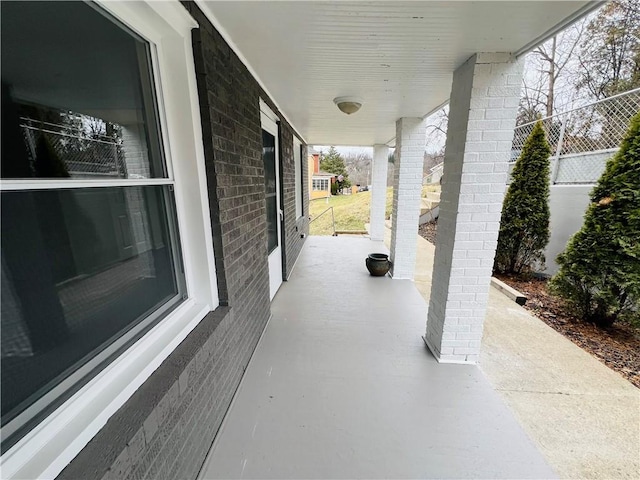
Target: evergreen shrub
<point x="524" y="225"/>
<point x="599" y="272"/>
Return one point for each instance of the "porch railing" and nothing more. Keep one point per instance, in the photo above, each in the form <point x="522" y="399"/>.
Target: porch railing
<point x="333" y="219"/>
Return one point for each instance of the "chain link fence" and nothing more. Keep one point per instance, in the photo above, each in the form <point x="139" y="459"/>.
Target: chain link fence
<point x="84" y="155"/>
<point x="583" y="139"/>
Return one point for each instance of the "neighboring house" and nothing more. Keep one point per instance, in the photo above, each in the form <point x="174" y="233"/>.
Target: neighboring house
<point x="319" y="181"/>
<point x="321" y="184"/>
<point x="313" y="165"/>
<point x="154" y="199"/>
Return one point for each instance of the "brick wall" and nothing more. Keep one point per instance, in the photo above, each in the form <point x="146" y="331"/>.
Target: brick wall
<point x="379" y="191"/>
<point x="407" y="190"/>
<point x="294" y="228"/>
<point x="134" y="147"/>
<point x="167" y="427"/>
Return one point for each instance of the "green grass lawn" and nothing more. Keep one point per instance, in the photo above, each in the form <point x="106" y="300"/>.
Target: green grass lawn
<point x="429" y="188"/>
<point x="351" y="212"/>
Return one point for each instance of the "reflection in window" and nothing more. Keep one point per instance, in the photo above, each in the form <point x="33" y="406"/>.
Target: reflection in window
<point x="78" y="267"/>
<point x="73" y="145"/>
<point x="270" y="189"/>
<point x="76" y="107"/>
<point x="85" y="271"/>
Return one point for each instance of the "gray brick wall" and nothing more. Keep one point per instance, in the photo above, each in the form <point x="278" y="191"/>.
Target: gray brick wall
<point x="294" y="228"/>
<point x="167" y="427"/>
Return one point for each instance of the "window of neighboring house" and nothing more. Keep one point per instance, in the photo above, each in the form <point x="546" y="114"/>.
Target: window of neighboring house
<point x="91" y="253"/>
<point x="297" y="159"/>
<point x="320" y="184"/>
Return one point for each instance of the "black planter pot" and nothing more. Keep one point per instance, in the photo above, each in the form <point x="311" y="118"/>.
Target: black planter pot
<point x="378" y="264"/>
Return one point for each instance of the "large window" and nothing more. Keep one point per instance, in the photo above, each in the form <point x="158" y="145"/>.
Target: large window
<point x="90" y="255"/>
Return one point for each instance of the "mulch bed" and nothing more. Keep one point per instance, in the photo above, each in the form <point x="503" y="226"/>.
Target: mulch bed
<point x="617" y="347"/>
<point x="428" y="231"/>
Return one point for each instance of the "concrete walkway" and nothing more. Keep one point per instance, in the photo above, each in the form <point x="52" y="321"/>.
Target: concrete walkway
<point x="583" y="416"/>
<point x="342" y="386"/>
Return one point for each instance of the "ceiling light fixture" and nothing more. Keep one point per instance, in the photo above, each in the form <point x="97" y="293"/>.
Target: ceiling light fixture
<point x="348" y="105"/>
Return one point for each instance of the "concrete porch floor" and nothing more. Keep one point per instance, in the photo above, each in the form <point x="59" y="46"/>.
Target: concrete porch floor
<point x="342" y="386"/>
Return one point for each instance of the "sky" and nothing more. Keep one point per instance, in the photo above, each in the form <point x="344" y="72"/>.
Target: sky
<point x="346" y="150"/>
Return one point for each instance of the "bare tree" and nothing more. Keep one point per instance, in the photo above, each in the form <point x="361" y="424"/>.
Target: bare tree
<point x="557" y="54"/>
<point x="436" y="129"/>
<point x="549" y="74"/>
<point x="359" y="167"/>
<point x="610" y="53"/>
<point x="533" y="99"/>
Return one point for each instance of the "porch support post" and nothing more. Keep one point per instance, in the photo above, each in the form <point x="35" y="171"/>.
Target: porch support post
<point x="482" y="114"/>
<point x="378" y="191"/>
<point x="407" y="189"/>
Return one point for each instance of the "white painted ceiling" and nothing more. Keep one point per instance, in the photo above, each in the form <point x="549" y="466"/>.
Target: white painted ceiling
<point x="398" y="57"/>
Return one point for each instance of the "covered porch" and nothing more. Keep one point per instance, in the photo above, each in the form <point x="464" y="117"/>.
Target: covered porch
<point x="401" y="61"/>
<point x="342" y="386"/>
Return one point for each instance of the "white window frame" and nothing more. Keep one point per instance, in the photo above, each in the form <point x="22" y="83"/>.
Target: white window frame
<point x="48" y="448"/>
<point x="320" y="184"/>
<point x="297" y="160"/>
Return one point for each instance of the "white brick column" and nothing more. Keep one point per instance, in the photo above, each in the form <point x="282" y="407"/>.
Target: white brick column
<point x="482" y="113"/>
<point x="378" y="191"/>
<point x="407" y="189"/>
<point x="134" y="146"/>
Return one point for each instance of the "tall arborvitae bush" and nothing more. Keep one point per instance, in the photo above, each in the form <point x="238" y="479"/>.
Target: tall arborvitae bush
<point x="524" y="226"/>
<point x="599" y="272"/>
